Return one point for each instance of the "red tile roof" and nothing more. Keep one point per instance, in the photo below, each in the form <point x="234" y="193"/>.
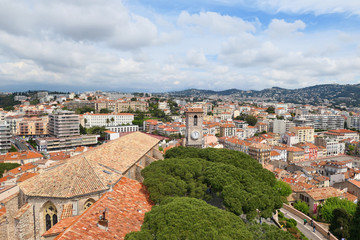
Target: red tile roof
<point x="26" y="176"/>
<point x="22" y="168"/>
<point x="126" y="207"/>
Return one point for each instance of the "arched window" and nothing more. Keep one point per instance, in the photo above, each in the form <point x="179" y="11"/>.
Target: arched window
<point x="195" y="120"/>
<point x="88" y="203"/>
<point x="50" y="215"/>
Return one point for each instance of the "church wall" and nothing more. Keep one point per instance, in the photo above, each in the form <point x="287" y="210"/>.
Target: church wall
<point x="11" y="209"/>
<point x="24" y="226"/>
<point x="39" y="203"/>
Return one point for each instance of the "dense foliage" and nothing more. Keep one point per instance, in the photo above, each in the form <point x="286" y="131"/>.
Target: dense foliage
<point x="189" y="218"/>
<point x="354" y="228"/>
<point x="339" y="225"/>
<point x="332" y="203"/>
<point x="7" y="167"/>
<point x="223" y="177"/>
<point x="302" y="207"/>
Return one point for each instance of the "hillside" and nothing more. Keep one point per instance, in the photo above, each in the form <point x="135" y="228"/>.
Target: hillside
<point x="332" y="94"/>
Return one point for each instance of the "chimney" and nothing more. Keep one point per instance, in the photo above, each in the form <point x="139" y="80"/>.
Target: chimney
<point x="103" y="223"/>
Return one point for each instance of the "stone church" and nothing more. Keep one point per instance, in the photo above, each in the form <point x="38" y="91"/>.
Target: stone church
<point x="69" y="188"/>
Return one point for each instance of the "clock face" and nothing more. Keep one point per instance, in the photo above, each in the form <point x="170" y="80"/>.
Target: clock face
<point x="195" y="135"/>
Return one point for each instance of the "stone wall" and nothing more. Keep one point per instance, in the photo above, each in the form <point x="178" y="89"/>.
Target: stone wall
<point x="11" y="205"/>
<point x="319" y="228"/>
<point x="24" y="225"/>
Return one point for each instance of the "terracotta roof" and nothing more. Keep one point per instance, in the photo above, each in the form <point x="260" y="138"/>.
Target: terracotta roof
<point x="22" y="168"/>
<point x="274" y="153"/>
<point x="22" y="210"/>
<point x="355" y="182"/>
<point x="92" y="171"/>
<point x="324" y="193"/>
<point x="67" y="211"/>
<point x="76" y="177"/>
<point x="350" y="196"/>
<point x="126" y="207"/>
<point x="342" y="131"/>
<point x="26" y="176"/>
<point x="195" y="110"/>
<point x="3" y="179"/>
<point x="16" y="156"/>
<point x="60" y="226"/>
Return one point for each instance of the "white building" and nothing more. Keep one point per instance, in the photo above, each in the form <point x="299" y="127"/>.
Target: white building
<point x="105" y="119"/>
<point x="122" y="129"/>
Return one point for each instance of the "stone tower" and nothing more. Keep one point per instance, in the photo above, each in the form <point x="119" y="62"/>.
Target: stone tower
<point x="194" y="127"/>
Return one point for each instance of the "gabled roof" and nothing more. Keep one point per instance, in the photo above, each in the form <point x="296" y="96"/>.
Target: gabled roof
<point x="126" y="207"/>
<point x="92" y="171"/>
<point x="76" y="177"/>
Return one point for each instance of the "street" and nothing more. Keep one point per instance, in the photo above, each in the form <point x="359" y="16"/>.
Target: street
<point x="307" y="230"/>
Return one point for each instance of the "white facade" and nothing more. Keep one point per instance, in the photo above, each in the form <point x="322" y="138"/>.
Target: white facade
<point x="126" y="128"/>
<point x="101" y="120"/>
<point x="353" y="122"/>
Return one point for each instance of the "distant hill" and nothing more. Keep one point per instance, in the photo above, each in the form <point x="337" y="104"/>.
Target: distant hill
<point x="333" y="94"/>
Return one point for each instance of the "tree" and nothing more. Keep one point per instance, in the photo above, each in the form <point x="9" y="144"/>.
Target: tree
<point x="107" y="121"/>
<point x="332" y="203"/>
<point x="89" y="98"/>
<point x="189" y="218"/>
<point x="12" y="149"/>
<point x="270" y="109"/>
<point x="282" y="188"/>
<point x="7" y="167"/>
<point x="112" y="120"/>
<point x="251" y="120"/>
<point x="97" y="130"/>
<point x="105" y="110"/>
<point x="243" y="185"/>
<point x="302" y="207"/>
<point x="339" y="225"/>
<point x="82" y="129"/>
<point x="354" y="228"/>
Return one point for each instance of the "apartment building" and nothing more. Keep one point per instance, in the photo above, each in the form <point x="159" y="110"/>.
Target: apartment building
<point x="260" y="152"/>
<point x="305" y="134"/>
<point x="105" y="119"/>
<point x="353" y="122"/>
<point x="280" y="126"/>
<point x="5" y="137"/>
<point x="64" y="124"/>
<point x="121" y="105"/>
<point x="333" y="146"/>
<point x="227" y="130"/>
<point x="323" y="121"/>
<point x="35" y="126"/>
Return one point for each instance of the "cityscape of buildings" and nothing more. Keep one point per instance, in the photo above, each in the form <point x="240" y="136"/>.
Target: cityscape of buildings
<point x="79" y="137"/>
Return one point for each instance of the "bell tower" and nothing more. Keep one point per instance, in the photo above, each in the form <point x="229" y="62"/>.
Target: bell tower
<point x="194" y="127"/>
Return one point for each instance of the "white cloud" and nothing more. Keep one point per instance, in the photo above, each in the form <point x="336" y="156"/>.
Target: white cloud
<point x="220" y="24"/>
<point x="195" y="58"/>
<point x="279" y="28"/>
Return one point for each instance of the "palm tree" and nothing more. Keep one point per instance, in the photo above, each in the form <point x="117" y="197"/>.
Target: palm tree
<point x="107" y="121"/>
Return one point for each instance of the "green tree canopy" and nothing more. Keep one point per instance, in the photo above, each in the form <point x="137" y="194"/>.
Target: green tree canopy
<point x="7" y="167"/>
<point x="105" y="110"/>
<point x="332" y="203"/>
<point x="270" y="109"/>
<point x="339" y="225"/>
<point x="283" y="188"/>
<point x="97" y="130"/>
<point x="355" y="224"/>
<point x="251" y="120"/>
<point x="302" y="207"/>
<point x="241" y="184"/>
<point x="189" y="218"/>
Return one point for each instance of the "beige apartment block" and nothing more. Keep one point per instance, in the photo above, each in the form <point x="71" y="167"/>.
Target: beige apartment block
<point x="305" y="134"/>
<point x="32" y="126"/>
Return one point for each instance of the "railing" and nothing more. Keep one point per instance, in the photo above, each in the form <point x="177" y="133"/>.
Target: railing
<point x="319" y="228"/>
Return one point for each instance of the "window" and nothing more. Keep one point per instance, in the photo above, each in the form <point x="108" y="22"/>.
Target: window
<point x="50" y="215"/>
<point x="195" y="120"/>
<point x="88" y="203"/>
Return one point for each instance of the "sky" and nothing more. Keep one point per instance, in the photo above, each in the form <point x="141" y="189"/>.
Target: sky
<point x="159" y="46"/>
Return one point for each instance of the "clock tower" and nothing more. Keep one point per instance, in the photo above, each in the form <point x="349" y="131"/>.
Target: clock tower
<point x="194" y="127"/>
